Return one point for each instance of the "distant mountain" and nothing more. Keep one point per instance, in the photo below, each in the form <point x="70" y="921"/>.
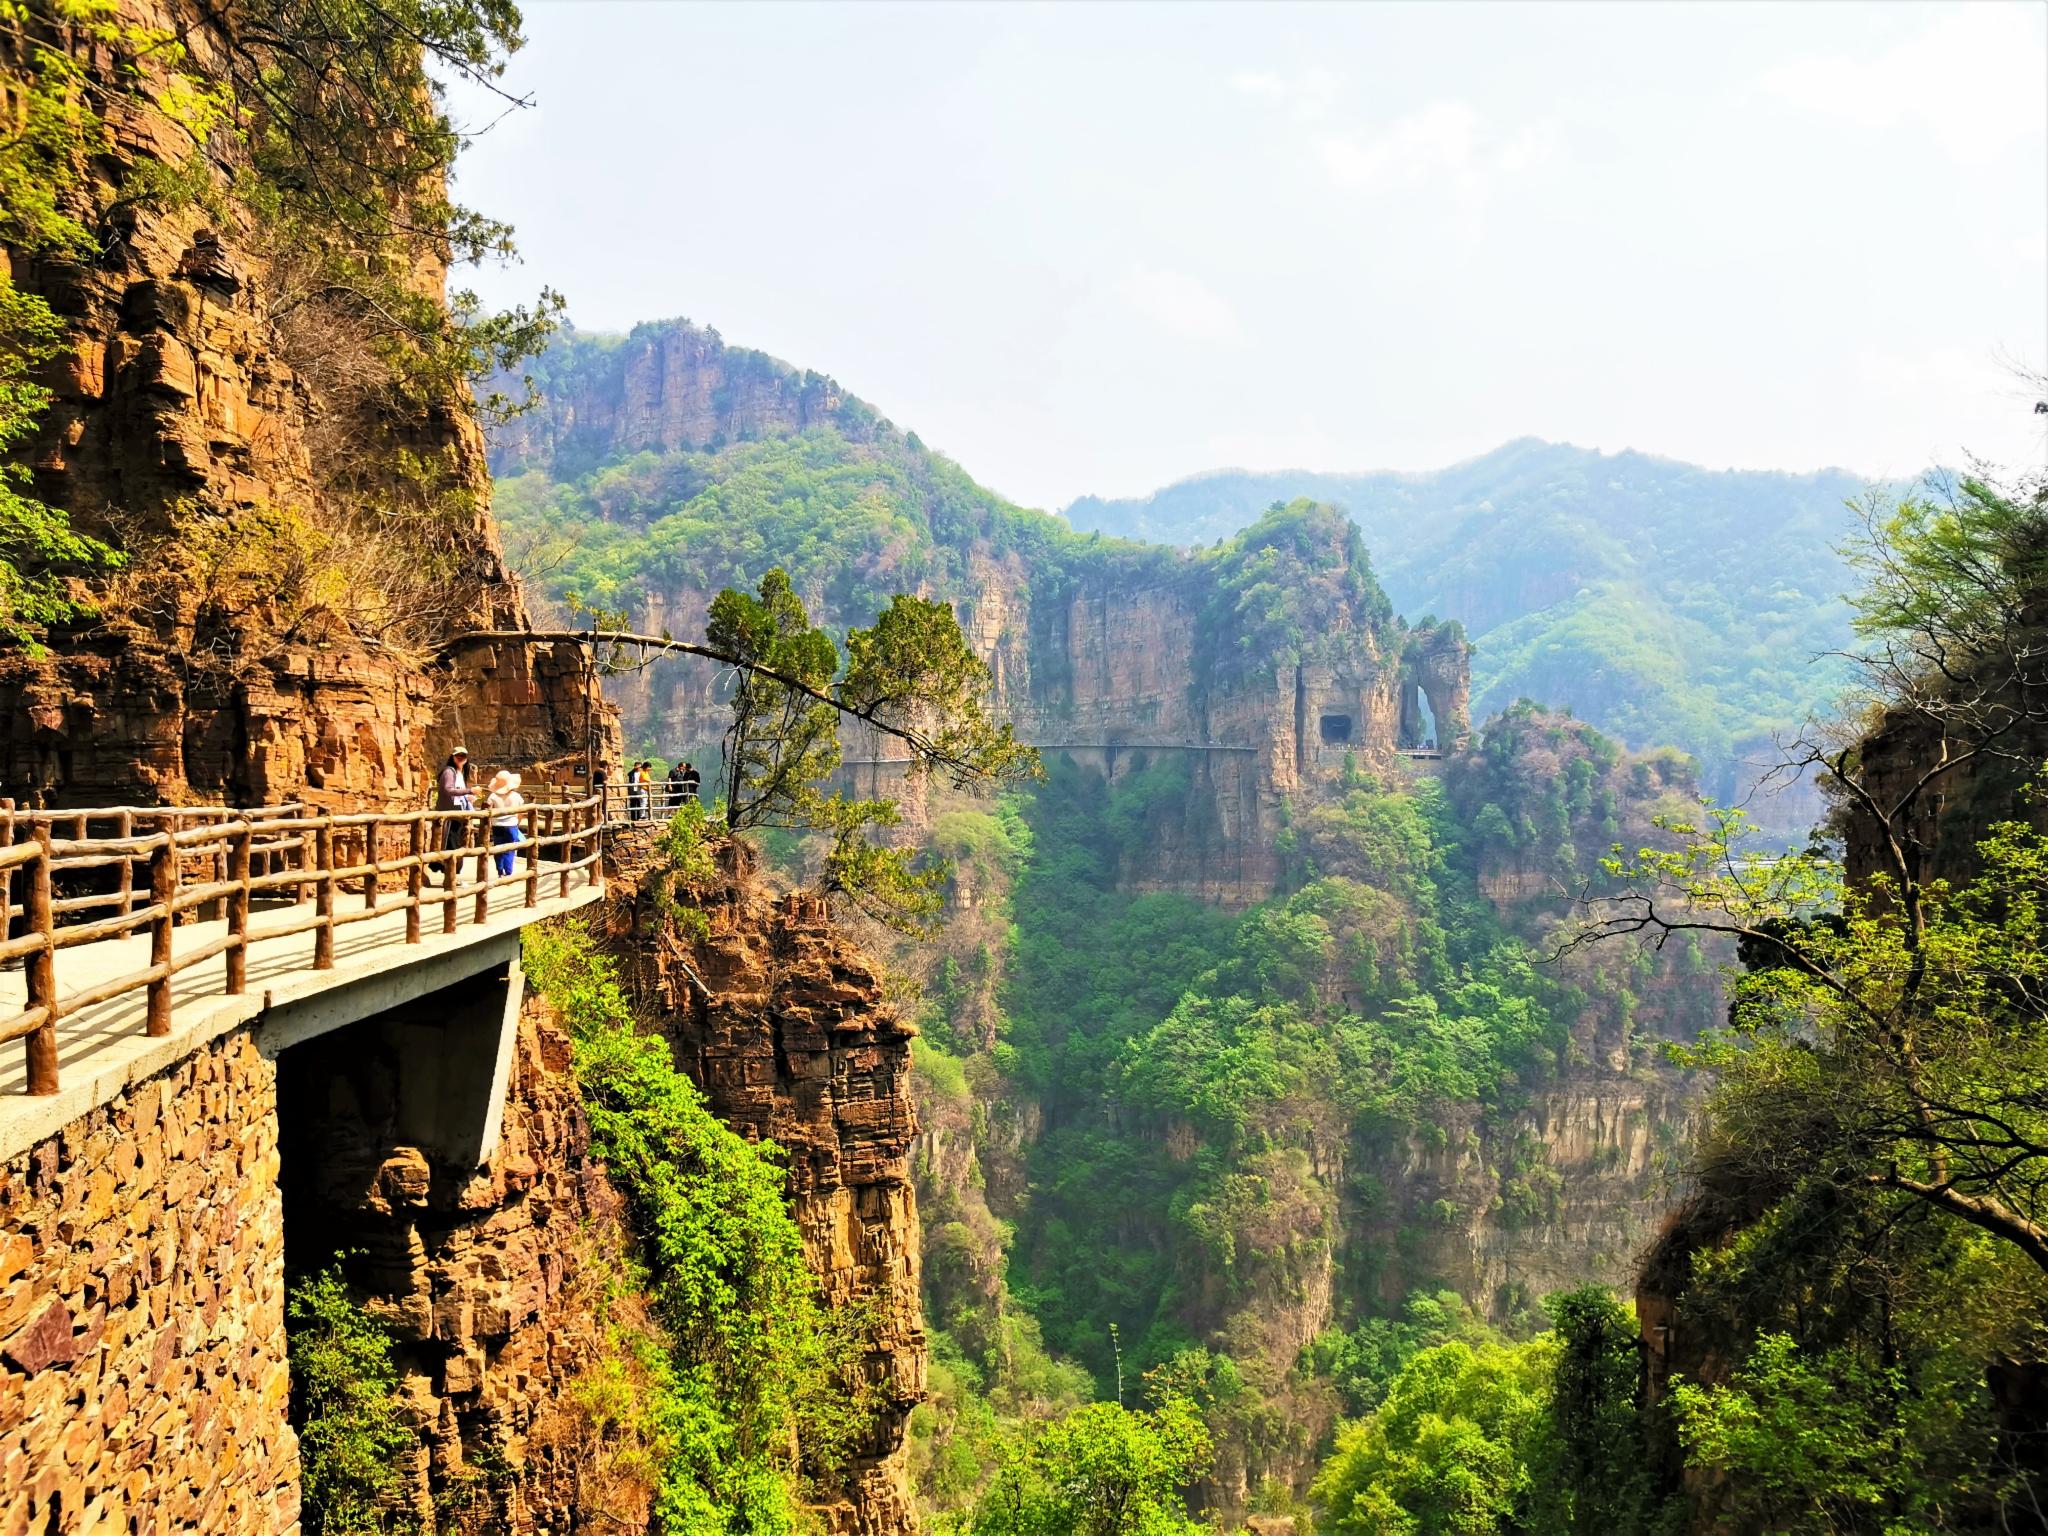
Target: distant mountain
<point x="1663" y="602"/>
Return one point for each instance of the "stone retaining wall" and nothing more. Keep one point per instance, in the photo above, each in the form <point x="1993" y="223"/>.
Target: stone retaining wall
<point x="143" y="1375"/>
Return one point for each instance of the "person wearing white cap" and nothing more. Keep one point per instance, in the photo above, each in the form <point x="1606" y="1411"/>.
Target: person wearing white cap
<point x="503" y="802"/>
<point x="455" y="795"/>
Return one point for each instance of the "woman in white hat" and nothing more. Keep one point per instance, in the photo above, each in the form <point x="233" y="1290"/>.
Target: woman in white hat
<point x="454" y="794"/>
<point x="503" y="803"/>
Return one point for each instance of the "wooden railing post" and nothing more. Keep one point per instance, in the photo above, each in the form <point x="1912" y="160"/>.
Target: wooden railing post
<point x="124" y="828"/>
<point x="220" y="872"/>
<point x="486" y="868"/>
<point x="370" y="858"/>
<point x="323" y="895"/>
<point x="42" y="973"/>
<point x="238" y="909"/>
<point x="163" y="895"/>
<point x="532" y="851"/>
<point x="308" y="860"/>
<point x="451" y="870"/>
<point x="415" y="878"/>
<point x="7" y="874"/>
<point x="595" y="873"/>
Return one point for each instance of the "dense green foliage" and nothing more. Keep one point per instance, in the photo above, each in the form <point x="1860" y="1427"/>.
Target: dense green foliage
<point x="346" y="1409"/>
<point x="1478" y="1434"/>
<point x="1102" y="1470"/>
<point x="757" y="1366"/>
<point x="54" y="124"/>
<point x="1189" y="1070"/>
<point x="1861" y="1279"/>
<point x="909" y="676"/>
<point x="1581" y="579"/>
<point x="1454" y="1449"/>
<point x="1288" y="589"/>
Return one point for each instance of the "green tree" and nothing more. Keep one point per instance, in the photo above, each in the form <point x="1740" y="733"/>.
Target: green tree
<point x="1806" y="1445"/>
<point x="1602" y="1480"/>
<point x="910" y="675"/>
<point x="53" y="126"/>
<point x="1885" y="1034"/>
<point x="345" y="1407"/>
<point x="784" y="735"/>
<point x="1450" y="1452"/>
<point x="1872" y="1249"/>
<point x="1102" y="1470"/>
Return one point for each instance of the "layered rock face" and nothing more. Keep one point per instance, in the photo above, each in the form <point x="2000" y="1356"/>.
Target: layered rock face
<point x="1118" y="655"/>
<point x="177" y="408"/>
<point x="483" y="1276"/>
<point x="782" y="1022"/>
<point x="668" y="387"/>
<point x="143" y="1266"/>
<point x="143" y="1375"/>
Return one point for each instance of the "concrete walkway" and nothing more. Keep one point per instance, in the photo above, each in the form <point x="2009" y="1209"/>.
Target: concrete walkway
<point x="102" y="1048"/>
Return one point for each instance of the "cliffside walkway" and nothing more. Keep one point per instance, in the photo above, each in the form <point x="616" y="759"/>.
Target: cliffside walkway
<point x="143" y="933"/>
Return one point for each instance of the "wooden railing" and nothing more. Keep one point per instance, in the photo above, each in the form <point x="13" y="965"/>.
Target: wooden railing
<point x="316" y="870"/>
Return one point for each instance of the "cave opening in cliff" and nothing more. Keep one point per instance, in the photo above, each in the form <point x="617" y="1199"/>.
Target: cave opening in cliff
<point x="1426" y="718"/>
<point x="1336" y="728"/>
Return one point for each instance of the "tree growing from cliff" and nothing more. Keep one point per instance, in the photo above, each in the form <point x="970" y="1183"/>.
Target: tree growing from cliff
<point x="910" y="677"/>
<point x="53" y="126"/>
<point x="349" y="146"/>
<point x="1885" y="1033"/>
<point x="911" y="670"/>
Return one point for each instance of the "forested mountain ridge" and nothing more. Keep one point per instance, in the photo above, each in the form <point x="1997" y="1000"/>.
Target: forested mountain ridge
<point x="1239" y="1032"/>
<point x="1275" y="656"/>
<point x="1579" y="577"/>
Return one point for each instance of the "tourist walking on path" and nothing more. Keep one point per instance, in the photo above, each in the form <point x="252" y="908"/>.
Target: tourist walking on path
<point x="454" y="794"/>
<point x="692" y="781"/>
<point x="503" y="803"/>
<point x="636" y="791"/>
<point x="678" y="786"/>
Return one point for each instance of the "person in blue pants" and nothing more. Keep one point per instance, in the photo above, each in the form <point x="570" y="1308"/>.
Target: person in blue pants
<point x="503" y="802"/>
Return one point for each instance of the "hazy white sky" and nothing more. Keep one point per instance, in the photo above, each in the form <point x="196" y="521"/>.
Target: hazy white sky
<point x="1095" y="248"/>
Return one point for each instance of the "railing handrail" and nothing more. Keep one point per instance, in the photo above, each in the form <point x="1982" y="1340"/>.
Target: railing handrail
<point x="311" y="857"/>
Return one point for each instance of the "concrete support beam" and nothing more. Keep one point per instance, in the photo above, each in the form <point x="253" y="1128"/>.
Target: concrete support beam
<point x="455" y="1057"/>
<point x="287" y="1024"/>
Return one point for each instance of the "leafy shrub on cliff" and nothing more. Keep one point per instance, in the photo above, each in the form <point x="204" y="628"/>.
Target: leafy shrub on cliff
<point x="758" y="1364"/>
<point x="51" y="132"/>
<point x="1102" y="1470"/>
<point x="345" y="1407"/>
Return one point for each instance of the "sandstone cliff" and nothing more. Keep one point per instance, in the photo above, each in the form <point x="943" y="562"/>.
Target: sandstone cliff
<point x="258" y="645"/>
<point x="498" y="1284"/>
<point x="782" y="1022"/>
<point x="666" y="387"/>
<point x="1269" y="664"/>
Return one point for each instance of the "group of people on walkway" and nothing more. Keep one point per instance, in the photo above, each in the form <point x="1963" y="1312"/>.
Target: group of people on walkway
<point x="501" y="798"/>
<point x="645" y="794"/>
